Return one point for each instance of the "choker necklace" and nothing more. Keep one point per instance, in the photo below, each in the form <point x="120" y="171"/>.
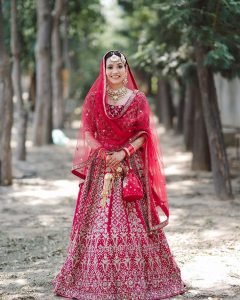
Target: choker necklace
<point x="117" y="94"/>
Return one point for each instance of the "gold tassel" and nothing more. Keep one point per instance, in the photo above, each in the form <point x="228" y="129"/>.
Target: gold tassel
<point x="107" y="185"/>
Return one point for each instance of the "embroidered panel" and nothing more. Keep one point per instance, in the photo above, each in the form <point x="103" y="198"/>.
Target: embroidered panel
<point x="110" y="254"/>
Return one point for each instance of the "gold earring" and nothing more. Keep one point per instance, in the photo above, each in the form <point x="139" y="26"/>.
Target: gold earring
<point x="125" y="81"/>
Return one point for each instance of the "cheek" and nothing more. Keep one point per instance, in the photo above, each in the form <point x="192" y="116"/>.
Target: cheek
<point x="107" y="74"/>
<point x="124" y="72"/>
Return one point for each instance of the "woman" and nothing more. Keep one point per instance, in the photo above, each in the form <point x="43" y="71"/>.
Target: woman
<point x="117" y="249"/>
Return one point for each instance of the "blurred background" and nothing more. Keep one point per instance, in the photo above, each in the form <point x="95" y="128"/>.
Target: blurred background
<point x="186" y="59"/>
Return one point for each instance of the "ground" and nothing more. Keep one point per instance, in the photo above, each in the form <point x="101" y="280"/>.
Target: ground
<point x="37" y="210"/>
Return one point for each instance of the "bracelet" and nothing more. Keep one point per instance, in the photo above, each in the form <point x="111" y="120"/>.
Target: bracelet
<point x="129" y="149"/>
<point x="126" y="151"/>
<point x="132" y="148"/>
<point x="102" y="153"/>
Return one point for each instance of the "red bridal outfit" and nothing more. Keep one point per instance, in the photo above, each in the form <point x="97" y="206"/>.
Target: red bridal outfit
<point x="118" y="251"/>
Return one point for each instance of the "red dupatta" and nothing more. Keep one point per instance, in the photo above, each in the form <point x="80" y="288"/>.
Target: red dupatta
<point x="98" y="129"/>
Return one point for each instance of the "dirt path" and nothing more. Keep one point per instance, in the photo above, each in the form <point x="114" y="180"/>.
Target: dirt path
<point x="36" y="215"/>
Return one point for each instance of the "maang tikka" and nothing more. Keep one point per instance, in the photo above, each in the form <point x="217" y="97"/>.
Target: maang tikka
<point x="115" y="58"/>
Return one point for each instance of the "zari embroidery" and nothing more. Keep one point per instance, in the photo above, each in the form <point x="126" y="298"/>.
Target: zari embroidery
<point x="110" y="255"/>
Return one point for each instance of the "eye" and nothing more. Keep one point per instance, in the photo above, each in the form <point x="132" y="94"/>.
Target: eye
<point x="109" y="67"/>
<point x="120" y="66"/>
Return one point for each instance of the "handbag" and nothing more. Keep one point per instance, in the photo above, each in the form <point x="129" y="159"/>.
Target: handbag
<point x="132" y="189"/>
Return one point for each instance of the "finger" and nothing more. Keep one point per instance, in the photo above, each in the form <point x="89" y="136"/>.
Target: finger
<point x="115" y="165"/>
<point x="111" y="164"/>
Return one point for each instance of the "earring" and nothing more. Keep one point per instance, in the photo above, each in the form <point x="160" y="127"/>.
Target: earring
<point x="125" y="81"/>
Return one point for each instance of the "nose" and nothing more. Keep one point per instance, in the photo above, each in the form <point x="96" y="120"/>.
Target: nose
<point x="115" y="71"/>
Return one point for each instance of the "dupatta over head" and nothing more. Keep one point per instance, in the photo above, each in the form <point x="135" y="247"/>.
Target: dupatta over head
<point x="98" y="129"/>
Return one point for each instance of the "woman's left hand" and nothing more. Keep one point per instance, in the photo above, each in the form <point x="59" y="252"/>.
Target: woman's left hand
<point x="114" y="159"/>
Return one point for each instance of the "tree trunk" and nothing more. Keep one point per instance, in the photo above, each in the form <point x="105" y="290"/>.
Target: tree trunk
<point x="181" y="104"/>
<point x="32" y="91"/>
<point x="6" y="111"/>
<point x="219" y="160"/>
<point x="201" y="155"/>
<point x="42" y="126"/>
<point x="149" y="84"/>
<point x="57" y="63"/>
<point x="16" y="79"/>
<point x="66" y="57"/>
<point x="158" y="102"/>
<point x="189" y="115"/>
<point x="166" y="104"/>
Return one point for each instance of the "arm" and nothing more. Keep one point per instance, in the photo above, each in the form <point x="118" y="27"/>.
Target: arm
<point x="92" y="142"/>
<point x="138" y="142"/>
<point x="116" y="157"/>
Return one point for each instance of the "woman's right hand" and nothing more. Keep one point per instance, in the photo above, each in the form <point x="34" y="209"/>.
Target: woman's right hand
<point x="114" y="159"/>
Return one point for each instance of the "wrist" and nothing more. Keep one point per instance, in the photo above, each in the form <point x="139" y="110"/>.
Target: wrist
<point x="102" y="152"/>
<point x="129" y="149"/>
<point x="126" y="153"/>
<point x="123" y="152"/>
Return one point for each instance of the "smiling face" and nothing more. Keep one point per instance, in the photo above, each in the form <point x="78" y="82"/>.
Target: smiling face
<point x="115" y="72"/>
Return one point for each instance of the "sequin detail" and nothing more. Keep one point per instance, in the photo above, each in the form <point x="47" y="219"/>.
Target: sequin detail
<point x="114" y="110"/>
<point x="111" y="255"/>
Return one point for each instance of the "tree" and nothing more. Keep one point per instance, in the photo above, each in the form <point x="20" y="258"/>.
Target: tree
<point x="16" y="76"/>
<point x="42" y="126"/>
<point x="200" y="148"/>
<point x="210" y="27"/>
<point x="57" y="64"/>
<point x="219" y="161"/>
<point x="6" y="110"/>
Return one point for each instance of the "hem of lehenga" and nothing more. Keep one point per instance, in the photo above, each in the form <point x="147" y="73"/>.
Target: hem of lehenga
<point x="81" y="296"/>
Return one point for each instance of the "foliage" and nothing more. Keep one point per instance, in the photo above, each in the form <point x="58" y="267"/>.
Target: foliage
<point x="168" y="25"/>
<point x="85" y="25"/>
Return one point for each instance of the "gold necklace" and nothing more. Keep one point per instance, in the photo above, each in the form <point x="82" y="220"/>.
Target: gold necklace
<point x="117" y="94"/>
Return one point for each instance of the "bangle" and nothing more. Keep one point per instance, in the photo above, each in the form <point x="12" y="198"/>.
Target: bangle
<point x="133" y="148"/>
<point x="125" y="151"/>
<point x="130" y="148"/>
<point x="102" y="153"/>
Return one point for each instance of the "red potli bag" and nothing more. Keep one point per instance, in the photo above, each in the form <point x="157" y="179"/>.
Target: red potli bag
<point x="132" y="187"/>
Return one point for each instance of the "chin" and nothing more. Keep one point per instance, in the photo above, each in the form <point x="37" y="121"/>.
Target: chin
<point x="117" y="82"/>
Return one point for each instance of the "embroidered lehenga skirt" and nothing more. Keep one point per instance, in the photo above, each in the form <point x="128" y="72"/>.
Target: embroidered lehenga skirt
<point x="110" y="255"/>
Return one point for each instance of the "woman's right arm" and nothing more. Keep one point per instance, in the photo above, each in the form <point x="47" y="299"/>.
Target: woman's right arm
<point x="92" y="142"/>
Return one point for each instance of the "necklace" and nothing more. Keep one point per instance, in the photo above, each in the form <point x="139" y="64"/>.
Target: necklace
<point x="117" y="94"/>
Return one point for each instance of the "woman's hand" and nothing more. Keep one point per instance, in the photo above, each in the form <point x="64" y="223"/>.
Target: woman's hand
<point x="114" y="159"/>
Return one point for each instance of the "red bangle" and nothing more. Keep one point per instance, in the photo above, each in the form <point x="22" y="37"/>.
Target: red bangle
<point x="102" y="153"/>
<point x="126" y="151"/>
<point x="130" y="148"/>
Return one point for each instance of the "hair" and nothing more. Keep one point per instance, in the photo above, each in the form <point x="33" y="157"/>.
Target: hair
<point x="111" y="53"/>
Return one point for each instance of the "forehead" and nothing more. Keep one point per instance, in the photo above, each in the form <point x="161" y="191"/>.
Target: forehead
<point x="110" y="62"/>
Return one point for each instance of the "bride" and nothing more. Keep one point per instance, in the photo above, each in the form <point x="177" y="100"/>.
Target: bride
<point x="117" y="248"/>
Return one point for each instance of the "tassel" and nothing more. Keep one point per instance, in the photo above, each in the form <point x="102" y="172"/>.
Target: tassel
<point x="107" y="185"/>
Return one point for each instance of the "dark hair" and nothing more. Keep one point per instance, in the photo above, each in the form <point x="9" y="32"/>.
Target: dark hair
<point x="111" y="53"/>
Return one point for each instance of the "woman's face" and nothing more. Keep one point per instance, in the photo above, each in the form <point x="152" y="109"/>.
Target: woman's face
<point x="115" y="72"/>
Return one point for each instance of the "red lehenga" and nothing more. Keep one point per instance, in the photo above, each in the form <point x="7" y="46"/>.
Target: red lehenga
<point x="118" y="251"/>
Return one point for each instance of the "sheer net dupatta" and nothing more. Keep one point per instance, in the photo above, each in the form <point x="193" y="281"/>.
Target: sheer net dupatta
<point x="86" y="141"/>
<point x="158" y="209"/>
<point x="87" y="144"/>
<point x="94" y="112"/>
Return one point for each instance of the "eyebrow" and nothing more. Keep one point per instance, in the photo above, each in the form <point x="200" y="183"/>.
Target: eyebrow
<point x="119" y="63"/>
